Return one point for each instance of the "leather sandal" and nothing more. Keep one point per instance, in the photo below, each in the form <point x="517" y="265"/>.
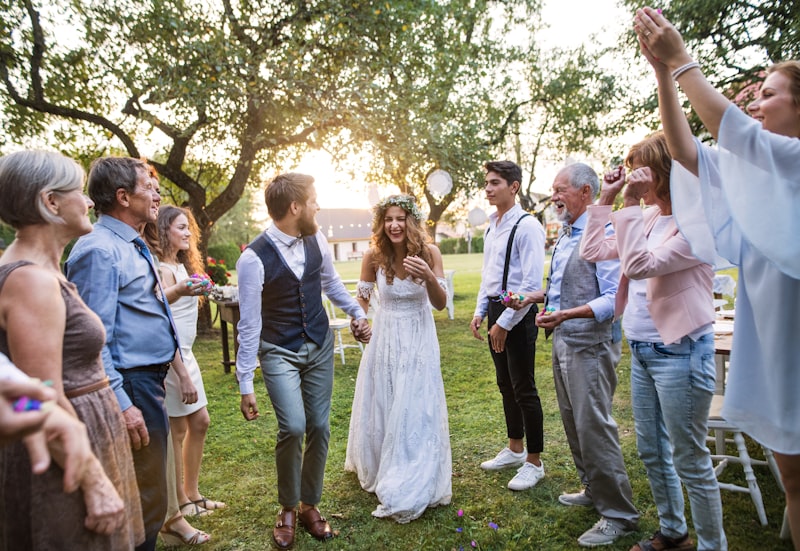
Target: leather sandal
<point x="316" y="524"/>
<point x="283" y="533"/>
<point x="209" y="504"/>
<point x="173" y="538"/>
<point x="192" y="509"/>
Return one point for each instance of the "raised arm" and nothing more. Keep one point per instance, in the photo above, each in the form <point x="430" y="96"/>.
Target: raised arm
<point x="662" y="40"/>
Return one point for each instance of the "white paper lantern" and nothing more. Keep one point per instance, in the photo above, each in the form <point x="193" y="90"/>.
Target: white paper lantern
<point x="440" y="182"/>
<point x="372" y="195"/>
<point x="477" y="216"/>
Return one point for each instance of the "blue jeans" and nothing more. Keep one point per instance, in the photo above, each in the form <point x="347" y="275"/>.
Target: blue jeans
<point x="300" y="385"/>
<point x="671" y="388"/>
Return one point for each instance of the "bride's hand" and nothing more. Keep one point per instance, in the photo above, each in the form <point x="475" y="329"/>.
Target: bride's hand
<point x="418" y="269"/>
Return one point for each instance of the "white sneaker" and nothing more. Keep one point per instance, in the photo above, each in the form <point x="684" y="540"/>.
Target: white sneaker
<point x="505" y="460"/>
<point x="604" y="532"/>
<point x="579" y="499"/>
<point x="527" y="477"/>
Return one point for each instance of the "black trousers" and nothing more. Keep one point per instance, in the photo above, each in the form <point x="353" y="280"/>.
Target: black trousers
<point x="514" y="368"/>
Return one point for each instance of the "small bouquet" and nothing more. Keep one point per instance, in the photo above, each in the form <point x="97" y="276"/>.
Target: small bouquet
<point x="205" y="283"/>
<point x="507" y="296"/>
<point x="547" y="311"/>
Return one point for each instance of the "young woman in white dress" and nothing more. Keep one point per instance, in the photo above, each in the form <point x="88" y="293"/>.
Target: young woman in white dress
<point x="189" y="422"/>
<point x="399" y="442"/>
<point x="740" y="202"/>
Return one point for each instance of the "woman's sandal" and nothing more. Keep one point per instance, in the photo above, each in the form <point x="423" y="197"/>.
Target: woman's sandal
<point x="173" y="538"/>
<point x="194" y="509"/>
<point x="208" y="504"/>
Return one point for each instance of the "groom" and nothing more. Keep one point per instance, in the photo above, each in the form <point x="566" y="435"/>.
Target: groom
<point x="282" y="275"/>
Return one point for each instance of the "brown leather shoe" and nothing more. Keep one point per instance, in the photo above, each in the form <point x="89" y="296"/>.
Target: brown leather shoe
<point x="283" y="533"/>
<point x="315" y="524"/>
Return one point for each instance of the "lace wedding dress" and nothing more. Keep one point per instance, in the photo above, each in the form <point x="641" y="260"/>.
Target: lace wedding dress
<point x="399" y="442"/>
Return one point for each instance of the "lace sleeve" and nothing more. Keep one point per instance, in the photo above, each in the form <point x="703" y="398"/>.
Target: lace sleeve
<point x="364" y="290"/>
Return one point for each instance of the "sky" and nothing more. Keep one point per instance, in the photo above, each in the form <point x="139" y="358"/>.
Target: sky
<point x="570" y="23"/>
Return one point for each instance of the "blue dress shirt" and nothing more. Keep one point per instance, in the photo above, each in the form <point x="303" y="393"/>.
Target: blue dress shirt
<point x="119" y="285"/>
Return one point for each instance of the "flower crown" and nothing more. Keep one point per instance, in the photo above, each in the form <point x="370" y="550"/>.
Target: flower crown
<point x="405" y="202"/>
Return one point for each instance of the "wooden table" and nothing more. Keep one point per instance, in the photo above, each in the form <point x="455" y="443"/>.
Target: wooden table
<point x="722" y="350"/>
<point x="228" y="313"/>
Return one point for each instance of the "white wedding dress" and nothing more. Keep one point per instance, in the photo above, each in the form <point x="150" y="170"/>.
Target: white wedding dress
<point x="399" y="442"/>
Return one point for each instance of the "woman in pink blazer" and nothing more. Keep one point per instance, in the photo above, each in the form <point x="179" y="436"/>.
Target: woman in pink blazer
<point x="666" y="295"/>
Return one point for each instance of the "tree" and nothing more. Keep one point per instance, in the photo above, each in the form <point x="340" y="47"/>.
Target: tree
<point x="574" y="107"/>
<point x="221" y="89"/>
<point x="443" y="86"/>
<point x="734" y="40"/>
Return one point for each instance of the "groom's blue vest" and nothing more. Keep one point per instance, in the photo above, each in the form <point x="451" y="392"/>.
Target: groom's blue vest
<point x="291" y="309"/>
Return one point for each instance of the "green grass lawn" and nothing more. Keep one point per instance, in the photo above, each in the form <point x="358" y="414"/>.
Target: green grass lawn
<point x="239" y="463"/>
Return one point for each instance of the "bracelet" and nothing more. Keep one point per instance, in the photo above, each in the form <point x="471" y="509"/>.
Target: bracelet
<point x="683" y="68"/>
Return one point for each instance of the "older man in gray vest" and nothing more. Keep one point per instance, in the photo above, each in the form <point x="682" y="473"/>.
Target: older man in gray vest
<point x="579" y="312"/>
<point x="282" y="275"/>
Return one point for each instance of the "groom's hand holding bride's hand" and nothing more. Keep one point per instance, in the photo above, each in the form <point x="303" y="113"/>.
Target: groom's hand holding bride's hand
<point x="361" y="329"/>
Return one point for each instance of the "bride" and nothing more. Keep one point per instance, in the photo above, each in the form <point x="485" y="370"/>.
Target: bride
<point x="399" y="442"/>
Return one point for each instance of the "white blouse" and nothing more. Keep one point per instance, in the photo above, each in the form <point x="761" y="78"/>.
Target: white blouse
<point x="745" y="208"/>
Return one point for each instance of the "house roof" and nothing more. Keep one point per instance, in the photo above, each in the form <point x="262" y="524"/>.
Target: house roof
<point x="345" y="224"/>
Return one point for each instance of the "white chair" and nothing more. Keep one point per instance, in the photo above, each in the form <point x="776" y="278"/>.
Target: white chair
<point x="720" y="427"/>
<point x="338" y="325"/>
<point x="448" y="274"/>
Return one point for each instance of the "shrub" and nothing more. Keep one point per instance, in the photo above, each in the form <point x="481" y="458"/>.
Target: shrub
<point x="229" y="252"/>
<point x="459" y="245"/>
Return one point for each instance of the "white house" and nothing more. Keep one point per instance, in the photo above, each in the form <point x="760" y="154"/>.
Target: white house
<point x="348" y="231"/>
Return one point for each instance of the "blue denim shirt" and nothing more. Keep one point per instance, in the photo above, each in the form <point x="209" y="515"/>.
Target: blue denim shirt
<point x="117" y="283"/>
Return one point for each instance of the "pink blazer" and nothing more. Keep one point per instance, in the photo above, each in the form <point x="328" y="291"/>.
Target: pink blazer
<point x="679" y="286"/>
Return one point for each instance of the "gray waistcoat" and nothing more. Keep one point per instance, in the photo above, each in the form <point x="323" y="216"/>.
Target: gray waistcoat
<point x="579" y="286"/>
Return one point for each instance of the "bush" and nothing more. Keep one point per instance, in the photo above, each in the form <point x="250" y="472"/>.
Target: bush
<point x="228" y="252"/>
<point x="459" y="245"/>
<point x="448" y="245"/>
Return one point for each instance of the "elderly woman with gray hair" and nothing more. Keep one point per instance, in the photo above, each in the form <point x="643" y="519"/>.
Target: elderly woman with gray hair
<point x="49" y="333"/>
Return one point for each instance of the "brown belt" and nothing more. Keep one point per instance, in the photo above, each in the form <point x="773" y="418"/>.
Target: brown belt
<point x="86" y="389"/>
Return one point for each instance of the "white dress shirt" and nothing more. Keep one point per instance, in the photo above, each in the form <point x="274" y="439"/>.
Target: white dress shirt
<point x="250" y="272"/>
<point x="525" y="268"/>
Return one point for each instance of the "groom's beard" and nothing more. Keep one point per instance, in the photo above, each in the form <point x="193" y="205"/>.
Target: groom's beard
<point x="308" y="227"/>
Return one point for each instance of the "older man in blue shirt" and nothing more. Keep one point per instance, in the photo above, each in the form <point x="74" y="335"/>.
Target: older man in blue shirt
<point x="579" y="312"/>
<point x="115" y="275"/>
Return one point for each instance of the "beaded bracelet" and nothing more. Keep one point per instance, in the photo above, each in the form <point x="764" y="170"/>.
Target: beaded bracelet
<point x="683" y="68"/>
